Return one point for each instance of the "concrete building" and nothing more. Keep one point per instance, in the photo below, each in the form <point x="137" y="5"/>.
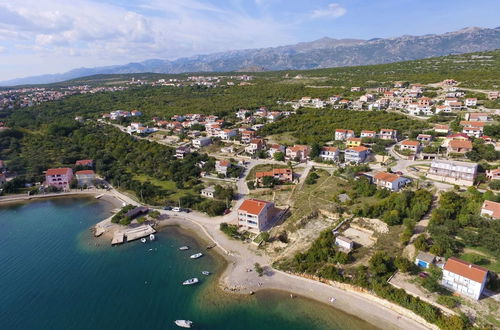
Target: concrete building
<point x="459" y="146"/>
<point x="464" y="278"/>
<point x="343" y="134"/>
<point x="454" y="172"/>
<point x="255" y="214"/>
<point x="221" y="166"/>
<point x="281" y="174"/>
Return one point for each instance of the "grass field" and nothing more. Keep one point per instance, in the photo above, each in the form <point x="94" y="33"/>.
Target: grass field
<point x="174" y="192"/>
<point x="486" y="260"/>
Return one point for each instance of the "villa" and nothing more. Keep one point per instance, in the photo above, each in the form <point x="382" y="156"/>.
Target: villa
<point x="490" y="209"/>
<point x="356" y="154"/>
<point x="329" y="154"/>
<point x="85" y="177"/>
<point x="390" y="181"/>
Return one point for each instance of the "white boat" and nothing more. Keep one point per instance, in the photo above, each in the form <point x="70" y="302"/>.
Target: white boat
<point x="196" y="256"/>
<point x="151" y="237"/>
<point x="143" y="240"/>
<point x="184" y="248"/>
<point x="191" y="281"/>
<point x="205" y="272"/>
<point x="332" y="299"/>
<point x="183" y="323"/>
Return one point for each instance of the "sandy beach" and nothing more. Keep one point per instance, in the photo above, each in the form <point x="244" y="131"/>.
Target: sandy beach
<point x="237" y="278"/>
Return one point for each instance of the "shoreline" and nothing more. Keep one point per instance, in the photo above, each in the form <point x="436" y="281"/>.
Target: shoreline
<point x="355" y="303"/>
<point x="239" y="259"/>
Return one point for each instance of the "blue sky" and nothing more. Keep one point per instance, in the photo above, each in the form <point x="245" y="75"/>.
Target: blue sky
<point x="52" y="36"/>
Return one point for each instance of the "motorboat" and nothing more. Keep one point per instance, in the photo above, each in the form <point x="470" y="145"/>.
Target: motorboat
<point x="206" y="272"/>
<point x="191" y="281"/>
<point x="143" y="240"/>
<point x="183" y="323"/>
<point x="196" y="256"/>
<point x="151" y="237"/>
<point x="184" y="248"/>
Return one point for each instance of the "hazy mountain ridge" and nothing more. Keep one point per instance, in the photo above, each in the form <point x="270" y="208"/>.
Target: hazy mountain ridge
<point x="322" y="53"/>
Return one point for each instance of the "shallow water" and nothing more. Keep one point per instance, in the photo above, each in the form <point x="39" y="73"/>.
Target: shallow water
<point x="53" y="276"/>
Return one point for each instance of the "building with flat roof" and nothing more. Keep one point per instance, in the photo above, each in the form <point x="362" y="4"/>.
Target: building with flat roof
<point x="454" y="172"/>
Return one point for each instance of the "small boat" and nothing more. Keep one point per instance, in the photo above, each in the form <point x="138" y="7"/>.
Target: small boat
<point x="143" y="240"/>
<point x="99" y="196"/>
<point x="183" y="323"/>
<point x="206" y="272"/>
<point x="196" y="256"/>
<point x="191" y="281"/>
<point x="332" y="299"/>
<point x="151" y="237"/>
<point x="184" y="248"/>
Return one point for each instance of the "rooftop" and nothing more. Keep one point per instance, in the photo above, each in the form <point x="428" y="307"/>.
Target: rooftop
<point x="253" y="206"/>
<point x="493" y="207"/>
<point x="58" y="171"/>
<point x="465" y="269"/>
<point x="385" y="176"/>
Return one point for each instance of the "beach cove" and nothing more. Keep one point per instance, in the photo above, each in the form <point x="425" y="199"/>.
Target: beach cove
<point x="56" y="275"/>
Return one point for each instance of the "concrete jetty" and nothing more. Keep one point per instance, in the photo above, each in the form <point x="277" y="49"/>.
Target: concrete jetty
<point x="132" y="234"/>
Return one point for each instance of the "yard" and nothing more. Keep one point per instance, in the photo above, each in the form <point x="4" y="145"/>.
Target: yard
<point x="173" y="192"/>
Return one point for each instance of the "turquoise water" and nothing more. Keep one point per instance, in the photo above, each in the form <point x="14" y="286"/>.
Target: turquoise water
<point x="53" y="276"/>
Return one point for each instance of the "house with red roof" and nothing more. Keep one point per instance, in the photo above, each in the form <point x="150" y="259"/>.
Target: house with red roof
<point x="493" y="174"/>
<point x="329" y="154"/>
<point x="390" y="181"/>
<point x="255" y="214"/>
<point x="388" y="134"/>
<point x="221" y="166"/>
<point x="413" y="146"/>
<point x="368" y="134"/>
<point x="342" y="134"/>
<point x="491" y="209"/>
<point x="281" y="174"/>
<point x="464" y="278"/>
<point x="459" y="146"/>
<point x="298" y="152"/>
<point x="356" y="154"/>
<point x="59" y="177"/>
<point x="85" y="163"/>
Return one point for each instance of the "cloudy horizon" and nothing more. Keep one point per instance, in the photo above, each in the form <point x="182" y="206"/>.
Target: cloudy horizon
<point x="53" y="36"/>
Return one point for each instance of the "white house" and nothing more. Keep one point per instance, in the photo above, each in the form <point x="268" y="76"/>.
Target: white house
<point x="344" y="243"/>
<point x="368" y="134"/>
<point x="227" y="134"/>
<point x="329" y="154"/>
<point x="390" y="181"/>
<point x="208" y="192"/>
<point x="388" y="134"/>
<point x="464" y="278"/>
<point x="202" y="142"/>
<point x="471" y="102"/>
<point x="343" y="134"/>
<point x="221" y="166"/>
<point x="356" y="154"/>
<point x="255" y="214"/>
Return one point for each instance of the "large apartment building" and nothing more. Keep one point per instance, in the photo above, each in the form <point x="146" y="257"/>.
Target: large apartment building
<point x="454" y="172"/>
<point x="255" y="214"/>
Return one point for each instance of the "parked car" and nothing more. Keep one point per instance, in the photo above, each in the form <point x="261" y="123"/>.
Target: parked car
<point x="227" y="211"/>
<point x="167" y="208"/>
<point x="176" y="209"/>
<point x="186" y="210"/>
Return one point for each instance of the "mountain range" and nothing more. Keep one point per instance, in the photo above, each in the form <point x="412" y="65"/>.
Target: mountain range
<point x="322" y="53"/>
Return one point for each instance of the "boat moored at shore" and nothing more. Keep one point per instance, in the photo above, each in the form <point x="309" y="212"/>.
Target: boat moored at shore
<point x="191" y="281"/>
<point x="196" y="255"/>
<point x="183" y="323"/>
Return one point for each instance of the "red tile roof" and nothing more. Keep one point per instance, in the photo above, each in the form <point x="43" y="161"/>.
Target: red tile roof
<point x="388" y="177"/>
<point x="253" y="206"/>
<point x="224" y="162"/>
<point x="84" y="162"/>
<point x="465" y="269"/>
<point x="58" y="171"/>
<point x="493" y="207"/>
<point x="330" y="149"/>
<point x="358" y="149"/>
<point x="464" y="144"/>
<point x="410" y="143"/>
<point x="85" y="172"/>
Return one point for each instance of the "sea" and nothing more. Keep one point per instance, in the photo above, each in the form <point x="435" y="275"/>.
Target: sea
<point x="55" y="275"/>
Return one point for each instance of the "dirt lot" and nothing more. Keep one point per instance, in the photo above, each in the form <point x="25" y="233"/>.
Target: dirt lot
<point x="362" y="238"/>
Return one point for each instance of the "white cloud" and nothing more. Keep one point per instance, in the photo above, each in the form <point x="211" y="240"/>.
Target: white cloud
<point x="333" y="10"/>
<point x="95" y="33"/>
